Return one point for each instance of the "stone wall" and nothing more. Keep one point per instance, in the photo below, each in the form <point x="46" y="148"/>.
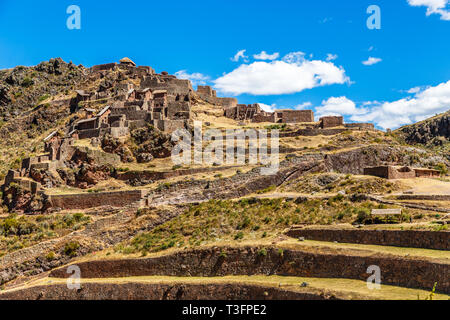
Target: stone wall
<point x="162" y="291"/>
<point x="173" y="85"/>
<point x="28" y="162"/>
<point x="155" y="175"/>
<point x="427" y="173"/>
<point x="431" y="197"/>
<point x="169" y="126"/>
<point x="360" y="126"/>
<point x="206" y="91"/>
<point x="92" y="200"/>
<point x="27" y="184"/>
<point x="242" y="112"/>
<point x="263" y="117"/>
<point x="331" y="122"/>
<point x="438" y="240"/>
<point x="117" y="132"/>
<point x="294" y="116"/>
<point x="392" y="172"/>
<point x="311" y="132"/>
<point x="103" y="67"/>
<point x="304" y="262"/>
<point x="87" y="134"/>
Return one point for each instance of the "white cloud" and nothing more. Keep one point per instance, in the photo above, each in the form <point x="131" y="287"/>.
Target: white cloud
<point x="295" y="57"/>
<point x="196" y="78"/>
<point x="240" y="55"/>
<point x="371" y="61"/>
<point x="370" y="48"/>
<point x="423" y="104"/>
<point x="265" y="56"/>
<point x="433" y="7"/>
<point x="325" y="20"/>
<point x="273" y="107"/>
<point x="331" y="57"/>
<point x="268" y="108"/>
<point x="338" y="106"/>
<point x="303" y="106"/>
<point x="291" y="74"/>
<point x="414" y="90"/>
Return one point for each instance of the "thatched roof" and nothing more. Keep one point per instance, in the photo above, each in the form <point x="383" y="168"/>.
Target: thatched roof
<point x="127" y="61"/>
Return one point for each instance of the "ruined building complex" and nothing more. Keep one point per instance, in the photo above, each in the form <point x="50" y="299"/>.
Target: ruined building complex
<point x="162" y="100"/>
<point x="127" y="97"/>
<point x="254" y="113"/>
<point x="398" y="172"/>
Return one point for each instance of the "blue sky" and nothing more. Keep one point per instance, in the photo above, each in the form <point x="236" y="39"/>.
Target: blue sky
<point x="198" y="39"/>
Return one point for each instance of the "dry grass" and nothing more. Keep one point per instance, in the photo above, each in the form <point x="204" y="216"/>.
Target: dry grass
<point x="329" y="183"/>
<point x="427" y="186"/>
<point x="246" y="219"/>
<point x="438" y="255"/>
<point x="18" y="232"/>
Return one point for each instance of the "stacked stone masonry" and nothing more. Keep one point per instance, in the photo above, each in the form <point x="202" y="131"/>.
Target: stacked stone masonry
<point x="396" y="172"/>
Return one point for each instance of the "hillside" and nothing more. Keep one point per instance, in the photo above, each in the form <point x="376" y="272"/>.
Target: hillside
<point x="89" y="179"/>
<point x="434" y="131"/>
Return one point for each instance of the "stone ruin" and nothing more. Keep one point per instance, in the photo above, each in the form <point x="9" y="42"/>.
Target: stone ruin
<point x="210" y="95"/>
<point x="138" y="98"/>
<point x="254" y="113"/>
<point x="399" y="172"/>
<point x="161" y="100"/>
<point x="331" y="122"/>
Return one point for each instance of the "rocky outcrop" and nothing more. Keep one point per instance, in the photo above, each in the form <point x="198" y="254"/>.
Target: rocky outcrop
<point x="435" y="131"/>
<point x="87" y="167"/>
<point x="355" y="160"/>
<point x="23" y="87"/>
<point x="151" y="143"/>
<point x="116" y="146"/>
<point x="20" y="200"/>
<point x="239" y="185"/>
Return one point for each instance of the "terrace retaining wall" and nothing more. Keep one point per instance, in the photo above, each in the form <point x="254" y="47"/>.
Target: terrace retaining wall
<point x="92" y="200"/>
<point x="439" y="240"/>
<point x="308" y="262"/>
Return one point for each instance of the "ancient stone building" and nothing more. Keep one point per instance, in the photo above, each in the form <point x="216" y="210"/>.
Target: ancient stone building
<point x="254" y="113"/>
<point x="264" y="117"/>
<point x="242" y="112"/>
<point x="103" y="67"/>
<point x="397" y="172"/>
<point x="360" y="126"/>
<point x="210" y="95"/>
<point x="206" y="91"/>
<point x="331" y="122"/>
<point x="427" y="173"/>
<point x="82" y="96"/>
<point x="293" y="116"/>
